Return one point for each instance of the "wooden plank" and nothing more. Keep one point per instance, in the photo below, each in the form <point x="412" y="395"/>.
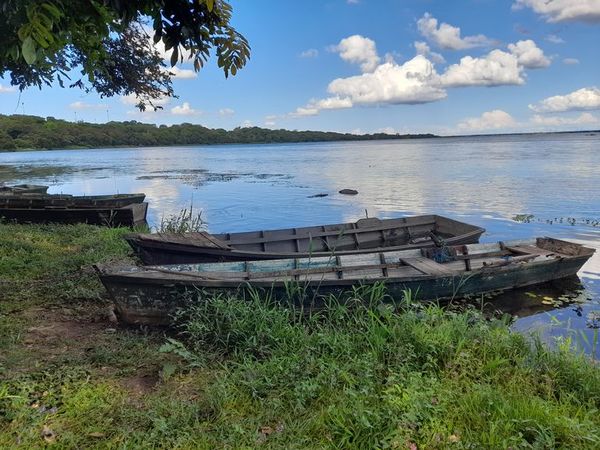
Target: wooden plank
<point x="248" y="240"/>
<point x="426" y="266"/>
<point x="338" y="262"/>
<point x="296" y="241"/>
<point x="263" y="244"/>
<point x="200" y="238"/>
<point x="465" y="252"/>
<point x="513" y="260"/>
<point x="529" y="250"/>
<point x="384" y="269"/>
<point x="327" y="245"/>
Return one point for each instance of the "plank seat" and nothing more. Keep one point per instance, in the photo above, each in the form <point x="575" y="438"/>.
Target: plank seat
<point x="427" y="266"/>
<point x="200" y="239"/>
<point x="529" y="250"/>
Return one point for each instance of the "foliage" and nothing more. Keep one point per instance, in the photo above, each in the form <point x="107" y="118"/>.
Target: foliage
<point x="183" y="222"/>
<point x="47" y="40"/>
<point x="31" y="132"/>
<point x="245" y="373"/>
<point x="368" y="375"/>
<point x="57" y="259"/>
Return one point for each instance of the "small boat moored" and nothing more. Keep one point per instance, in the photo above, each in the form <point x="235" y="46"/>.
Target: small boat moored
<point x="29" y="200"/>
<point x="149" y="295"/>
<point x="127" y="216"/>
<point x="364" y="235"/>
<point x="24" y="189"/>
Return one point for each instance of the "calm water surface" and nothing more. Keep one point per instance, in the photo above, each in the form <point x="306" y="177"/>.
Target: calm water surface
<point x="481" y="180"/>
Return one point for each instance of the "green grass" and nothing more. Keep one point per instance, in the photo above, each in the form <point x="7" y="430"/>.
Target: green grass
<point x="244" y="373"/>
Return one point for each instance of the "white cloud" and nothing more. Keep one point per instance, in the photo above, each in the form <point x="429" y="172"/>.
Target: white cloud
<point x="555" y="39"/>
<point x="415" y="81"/>
<point x="387" y="130"/>
<point x="563" y="10"/>
<point x="358" y="49"/>
<point x="82" y="105"/>
<point x="247" y="124"/>
<point x="447" y="36"/>
<point x="529" y="55"/>
<point x="132" y="100"/>
<point x="585" y="98"/>
<point x="309" y="53"/>
<point x="6" y="89"/>
<point x="226" y="112"/>
<point x="314" y="106"/>
<point x="570" y="61"/>
<point x="185" y="74"/>
<point x="495" y="69"/>
<point x="270" y="120"/>
<point x="184" y="110"/>
<point x="423" y="49"/>
<point x="556" y="121"/>
<point x="490" y="120"/>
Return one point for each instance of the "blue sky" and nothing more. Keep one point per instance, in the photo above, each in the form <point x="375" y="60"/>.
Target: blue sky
<point x="478" y="66"/>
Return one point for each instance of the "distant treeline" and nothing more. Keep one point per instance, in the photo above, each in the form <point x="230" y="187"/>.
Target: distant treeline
<point x="20" y="132"/>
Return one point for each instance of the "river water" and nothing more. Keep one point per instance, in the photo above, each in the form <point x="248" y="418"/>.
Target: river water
<point x="486" y="181"/>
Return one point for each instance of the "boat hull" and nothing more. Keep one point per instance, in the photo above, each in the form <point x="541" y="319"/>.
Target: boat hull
<point x="128" y="216"/>
<point x="24" y="189"/>
<point x="180" y="249"/>
<point x="38" y="201"/>
<point x="153" y="300"/>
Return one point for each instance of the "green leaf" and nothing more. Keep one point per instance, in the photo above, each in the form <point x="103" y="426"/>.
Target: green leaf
<point x="210" y="4"/>
<point x="174" y="56"/>
<point x="28" y="49"/>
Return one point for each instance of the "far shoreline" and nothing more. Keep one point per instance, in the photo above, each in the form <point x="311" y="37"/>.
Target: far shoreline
<point x="229" y="144"/>
<point x="22" y="133"/>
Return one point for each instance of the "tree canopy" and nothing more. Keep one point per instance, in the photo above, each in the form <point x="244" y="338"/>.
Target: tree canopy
<point x="19" y="132"/>
<point x="106" y="45"/>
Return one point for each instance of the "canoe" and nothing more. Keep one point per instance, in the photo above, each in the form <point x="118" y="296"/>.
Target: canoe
<point x="149" y="295"/>
<point x="365" y="235"/>
<point x="68" y="201"/>
<point x="128" y="216"/>
<point x="24" y="189"/>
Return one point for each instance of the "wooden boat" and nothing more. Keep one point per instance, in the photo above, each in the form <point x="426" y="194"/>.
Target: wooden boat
<point x="129" y="215"/>
<point x="24" y="189"/>
<point x="149" y="295"/>
<point x="365" y="235"/>
<point x="69" y="201"/>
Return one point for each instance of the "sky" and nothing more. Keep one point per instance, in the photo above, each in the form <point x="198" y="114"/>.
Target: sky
<point x="366" y="66"/>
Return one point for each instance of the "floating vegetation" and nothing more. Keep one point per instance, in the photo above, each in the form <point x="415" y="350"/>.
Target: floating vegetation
<point x="569" y="297"/>
<point x="10" y="173"/>
<point x="199" y="177"/>
<point x="529" y="218"/>
<point x="593" y="320"/>
<point x="523" y="218"/>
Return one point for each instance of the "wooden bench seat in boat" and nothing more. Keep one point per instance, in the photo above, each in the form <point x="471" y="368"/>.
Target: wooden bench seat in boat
<point x="427" y="266"/>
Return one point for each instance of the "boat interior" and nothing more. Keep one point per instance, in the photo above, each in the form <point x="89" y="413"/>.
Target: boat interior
<point x="437" y="262"/>
<point x="360" y="235"/>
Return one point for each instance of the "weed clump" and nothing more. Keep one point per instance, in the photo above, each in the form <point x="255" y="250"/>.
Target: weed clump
<point x="369" y="374"/>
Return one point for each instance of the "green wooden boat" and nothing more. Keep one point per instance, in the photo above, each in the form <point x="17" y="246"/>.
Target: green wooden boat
<point x="149" y="295"/>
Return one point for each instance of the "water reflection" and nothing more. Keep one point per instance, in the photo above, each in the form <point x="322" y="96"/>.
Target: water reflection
<point x="484" y="180"/>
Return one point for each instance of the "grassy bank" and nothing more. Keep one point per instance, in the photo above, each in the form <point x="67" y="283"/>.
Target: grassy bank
<point x="249" y="374"/>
